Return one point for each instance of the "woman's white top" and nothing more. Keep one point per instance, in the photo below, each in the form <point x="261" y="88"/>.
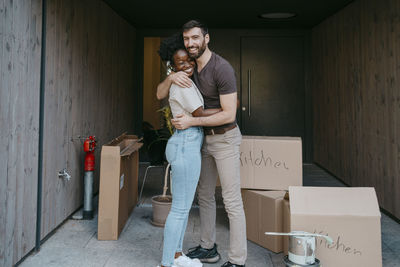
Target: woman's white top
<point x="184" y="100"/>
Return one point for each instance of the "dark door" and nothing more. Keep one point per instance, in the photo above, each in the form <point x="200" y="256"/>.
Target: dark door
<point x="272" y="77"/>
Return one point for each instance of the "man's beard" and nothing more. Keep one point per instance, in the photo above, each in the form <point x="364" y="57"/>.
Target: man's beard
<point x="200" y="51"/>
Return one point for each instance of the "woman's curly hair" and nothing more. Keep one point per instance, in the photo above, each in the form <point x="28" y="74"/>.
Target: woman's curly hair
<point x="169" y="46"/>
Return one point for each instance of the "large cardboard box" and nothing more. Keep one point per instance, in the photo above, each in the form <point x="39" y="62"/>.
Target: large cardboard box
<point x="119" y="167"/>
<point x="263" y="211"/>
<point x="272" y="163"/>
<point x="350" y="216"/>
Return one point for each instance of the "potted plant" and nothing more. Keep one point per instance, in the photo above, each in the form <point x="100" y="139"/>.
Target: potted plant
<point x="156" y="142"/>
<point x="161" y="204"/>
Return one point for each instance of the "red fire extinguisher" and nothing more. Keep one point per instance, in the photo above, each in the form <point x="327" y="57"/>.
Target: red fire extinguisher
<point x="88" y="146"/>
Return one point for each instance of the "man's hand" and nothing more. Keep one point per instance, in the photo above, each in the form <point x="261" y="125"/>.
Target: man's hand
<point x="182" y="122"/>
<point x="180" y="78"/>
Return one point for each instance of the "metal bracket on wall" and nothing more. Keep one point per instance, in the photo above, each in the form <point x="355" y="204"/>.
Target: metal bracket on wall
<point x="64" y="174"/>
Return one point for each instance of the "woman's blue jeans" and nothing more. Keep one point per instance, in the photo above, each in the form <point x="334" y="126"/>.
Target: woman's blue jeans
<point x="183" y="153"/>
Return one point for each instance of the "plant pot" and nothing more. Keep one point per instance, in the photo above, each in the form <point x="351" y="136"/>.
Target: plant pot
<point x="161" y="207"/>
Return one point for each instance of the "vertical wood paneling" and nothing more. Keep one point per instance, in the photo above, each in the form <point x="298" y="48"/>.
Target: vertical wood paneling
<point x="4" y="126"/>
<point x="11" y="176"/>
<point x="20" y="32"/>
<point x="3" y="134"/>
<point x="56" y="125"/>
<point x="89" y="91"/>
<point x="356" y="67"/>
<point x="77" y="96"/>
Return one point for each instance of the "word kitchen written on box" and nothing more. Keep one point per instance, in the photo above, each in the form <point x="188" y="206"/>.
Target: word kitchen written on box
<point x="270" y="162"/>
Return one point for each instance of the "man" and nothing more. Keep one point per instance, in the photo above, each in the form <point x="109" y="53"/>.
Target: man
<point x="215" y="78"/>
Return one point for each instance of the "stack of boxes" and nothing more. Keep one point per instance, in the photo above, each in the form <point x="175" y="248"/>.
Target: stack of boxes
<point x="275" y="201"/>
<point x="269" y="165"/>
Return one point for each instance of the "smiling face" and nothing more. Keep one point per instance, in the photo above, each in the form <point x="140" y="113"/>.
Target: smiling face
<point x="182" y="62"/>
<point x="195" y="42"/>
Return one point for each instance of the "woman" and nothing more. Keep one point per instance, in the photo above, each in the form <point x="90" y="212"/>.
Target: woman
<point x="183" y="153"/>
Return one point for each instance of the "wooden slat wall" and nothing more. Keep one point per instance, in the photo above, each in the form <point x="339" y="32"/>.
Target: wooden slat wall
<point x="20" y="35"/>
<point x="356" y="97"/>
<point x="58" y="64"/>
<point x="89" y="91"/>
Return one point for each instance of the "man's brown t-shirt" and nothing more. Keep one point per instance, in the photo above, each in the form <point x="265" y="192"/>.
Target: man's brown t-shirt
<point x="215" y="79"/>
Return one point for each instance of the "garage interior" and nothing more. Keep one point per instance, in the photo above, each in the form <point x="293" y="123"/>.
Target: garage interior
<point x="330" y="75"/>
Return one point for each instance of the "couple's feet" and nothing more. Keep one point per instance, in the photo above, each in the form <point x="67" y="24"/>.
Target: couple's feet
<point x="197" y="255"/>
<point x="209" y="256"/>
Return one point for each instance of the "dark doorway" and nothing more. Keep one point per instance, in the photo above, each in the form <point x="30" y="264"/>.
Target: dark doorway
<point x="273" y="88"/>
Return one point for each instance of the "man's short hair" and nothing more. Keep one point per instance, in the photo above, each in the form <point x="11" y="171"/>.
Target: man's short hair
<point x="195" y="24"/>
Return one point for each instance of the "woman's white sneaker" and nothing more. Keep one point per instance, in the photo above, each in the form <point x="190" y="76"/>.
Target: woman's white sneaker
<point x="184" y="261"/>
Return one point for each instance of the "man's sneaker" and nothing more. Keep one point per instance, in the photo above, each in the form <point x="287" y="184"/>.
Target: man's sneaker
<point x="229" y="264"/>
<point x="204" y="255"/>
<point x="184" y="261"/>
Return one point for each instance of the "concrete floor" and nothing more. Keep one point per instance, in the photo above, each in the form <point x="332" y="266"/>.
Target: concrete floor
<point x="140" y="244"/>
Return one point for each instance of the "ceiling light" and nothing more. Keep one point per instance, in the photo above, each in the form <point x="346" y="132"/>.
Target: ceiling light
<point x="277" y="15"/>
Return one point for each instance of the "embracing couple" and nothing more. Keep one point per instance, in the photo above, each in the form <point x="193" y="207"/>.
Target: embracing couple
<point x="203" y="98"/>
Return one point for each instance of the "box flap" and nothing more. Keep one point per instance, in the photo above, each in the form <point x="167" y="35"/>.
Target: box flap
<point x="128" y="150"/>
<point x="269" y="194"/>
<point x="352" y="201"/>
<point x="116" y="140"/>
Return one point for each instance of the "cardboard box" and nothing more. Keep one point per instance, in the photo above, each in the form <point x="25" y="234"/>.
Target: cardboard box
<point x="350" y="216"/>
<point x="119" y="167"/>
<point x="263" y="211"/>
<point x="272" y="163"/>
<point x="286" y="222"/>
